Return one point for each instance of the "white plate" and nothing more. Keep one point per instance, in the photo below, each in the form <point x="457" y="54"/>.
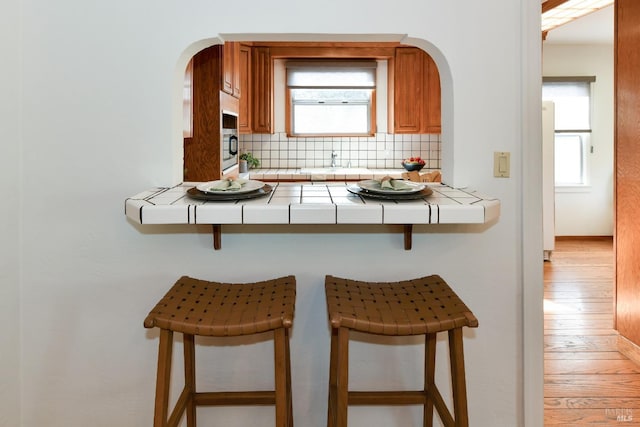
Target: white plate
<point x="373" y="186"/>
<point x="248" y="186"/>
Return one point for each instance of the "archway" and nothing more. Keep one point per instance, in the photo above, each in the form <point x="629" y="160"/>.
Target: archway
<point x="447" y="141"/>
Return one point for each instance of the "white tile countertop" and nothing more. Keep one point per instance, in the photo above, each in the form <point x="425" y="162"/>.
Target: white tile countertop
<point x="312" y="202"/>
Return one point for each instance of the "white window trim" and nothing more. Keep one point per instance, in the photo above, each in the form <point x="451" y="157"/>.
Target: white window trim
<point x="586" y="186"/>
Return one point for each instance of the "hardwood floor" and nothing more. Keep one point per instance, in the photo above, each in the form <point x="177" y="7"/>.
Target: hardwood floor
<point x="587" y="382"/>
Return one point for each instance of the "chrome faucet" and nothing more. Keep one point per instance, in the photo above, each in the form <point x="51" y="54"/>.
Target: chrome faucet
<point x="334" y="156"/>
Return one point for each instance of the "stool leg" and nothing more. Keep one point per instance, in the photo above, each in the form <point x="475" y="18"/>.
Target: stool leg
<point x="458" y="381"/>
<point x="281" y="377"/>
<point x="288" y="373"/>
<point x="331" y="415"/>
<point x="338" y="378"/>
<point x="163" y="378"/>
<point x="190" y="377"/>
<point x="342" y="377"/>
<point x="429" y="377"/>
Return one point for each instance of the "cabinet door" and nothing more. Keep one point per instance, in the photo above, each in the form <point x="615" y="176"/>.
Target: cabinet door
<point x="227" y="68"/>
<point x="262" y="90"/>
<point x="416" y="92"/>
<point x="432" y="97"/>
<point x="408" y="87"/>
<point x="231" y="69"/>
<point x="244" y="114"/>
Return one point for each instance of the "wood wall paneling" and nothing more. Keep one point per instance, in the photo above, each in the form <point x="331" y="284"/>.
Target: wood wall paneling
<point x="202" y="151"/>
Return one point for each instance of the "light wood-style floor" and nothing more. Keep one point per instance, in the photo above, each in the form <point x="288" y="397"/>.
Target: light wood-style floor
<point x="587" y="382"/>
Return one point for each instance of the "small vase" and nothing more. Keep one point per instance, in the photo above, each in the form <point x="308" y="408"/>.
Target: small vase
<point x="244" y="168"/>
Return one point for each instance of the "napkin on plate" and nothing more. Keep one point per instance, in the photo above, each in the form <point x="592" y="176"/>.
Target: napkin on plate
<point x="394" y="184"/>
<point x="227" y="184"/>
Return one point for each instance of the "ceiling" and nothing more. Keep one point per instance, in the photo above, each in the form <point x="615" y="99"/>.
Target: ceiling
<point x="595" y="28"/>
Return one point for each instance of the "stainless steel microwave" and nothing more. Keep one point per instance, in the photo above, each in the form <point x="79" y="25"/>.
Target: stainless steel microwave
<point x="229" y="140"/>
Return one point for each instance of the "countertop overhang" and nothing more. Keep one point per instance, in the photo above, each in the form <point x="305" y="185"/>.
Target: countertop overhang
<point x="317" y="202"/>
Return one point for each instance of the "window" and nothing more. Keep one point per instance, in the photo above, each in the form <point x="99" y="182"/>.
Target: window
<point x="572" y="99"/>
<point x="331" y="98"/>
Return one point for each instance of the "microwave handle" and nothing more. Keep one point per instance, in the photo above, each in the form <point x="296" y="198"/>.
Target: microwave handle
<point x="233" y="145"/>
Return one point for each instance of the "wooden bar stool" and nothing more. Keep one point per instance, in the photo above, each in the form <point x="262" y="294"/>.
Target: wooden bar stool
<point x="198" y="307"/>
<point x="423" y="306"/>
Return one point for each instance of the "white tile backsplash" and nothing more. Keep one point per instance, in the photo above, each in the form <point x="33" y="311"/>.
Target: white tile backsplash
<point x="380" y="151"/>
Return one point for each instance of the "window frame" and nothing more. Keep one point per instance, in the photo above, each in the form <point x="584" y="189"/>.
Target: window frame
<point x="289" y="104"/>
<point x="585" y="135"/>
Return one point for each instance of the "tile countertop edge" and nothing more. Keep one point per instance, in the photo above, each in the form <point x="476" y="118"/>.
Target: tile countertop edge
<point x="170" y="205"/>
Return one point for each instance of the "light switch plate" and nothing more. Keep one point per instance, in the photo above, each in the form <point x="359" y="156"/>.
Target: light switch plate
<point x="501" y="164"/>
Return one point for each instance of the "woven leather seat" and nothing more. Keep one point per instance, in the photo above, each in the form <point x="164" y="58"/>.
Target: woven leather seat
<point x="423" y="306"/>
<point x="199" y="307"/>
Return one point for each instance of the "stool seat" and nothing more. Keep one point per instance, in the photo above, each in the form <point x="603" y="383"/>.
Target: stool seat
<point x="196" y="307"/>
<point x="411" y="307"/>
<point x="200" y="307"/>
<point x="422" y="306"/>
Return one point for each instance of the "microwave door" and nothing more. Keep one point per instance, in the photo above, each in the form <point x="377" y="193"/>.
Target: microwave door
<point x="233" y="145"/>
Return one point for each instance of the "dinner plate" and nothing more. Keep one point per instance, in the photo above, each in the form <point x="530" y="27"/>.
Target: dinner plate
<point x="396" y="195"/>
<point x="248" y="186"/>
<point x="226" y="196"/>
<point x="373" y="185"/>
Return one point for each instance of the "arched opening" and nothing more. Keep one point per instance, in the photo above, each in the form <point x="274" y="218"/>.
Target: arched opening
<point x="441" y="154"/>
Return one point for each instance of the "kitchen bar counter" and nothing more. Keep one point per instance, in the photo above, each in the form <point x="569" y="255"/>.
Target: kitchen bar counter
<point x="312" y="202"/>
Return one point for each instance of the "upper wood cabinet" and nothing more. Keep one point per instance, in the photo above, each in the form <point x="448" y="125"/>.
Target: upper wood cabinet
<point x="256" y="80"/>
<point x="415" y="83"/>
<point x="261" y="90"/>
<point x="433" y="95"/>
<point x="244" y="114"/>
<point x="231" y="69"/>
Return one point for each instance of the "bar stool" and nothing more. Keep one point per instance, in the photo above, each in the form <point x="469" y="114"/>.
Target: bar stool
<point x="198" y="307"/>
<point x="423" y="306"/>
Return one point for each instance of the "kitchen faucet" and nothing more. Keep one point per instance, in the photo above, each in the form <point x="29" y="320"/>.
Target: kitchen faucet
<point x="334" y="155"/>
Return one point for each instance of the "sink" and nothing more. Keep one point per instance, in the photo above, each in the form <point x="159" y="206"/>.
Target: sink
<point x="334" y="171"/>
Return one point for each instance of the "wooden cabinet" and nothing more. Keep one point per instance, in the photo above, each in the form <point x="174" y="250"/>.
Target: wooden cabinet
<point x="415" y="82"/>
<point x="231" y="69"/>
<point x="433" y="95"/>
<point x="202" y="160"/>
<point x="262" y="90"/>
<point x="244" y="114"/>
<point x="256" y="79"/>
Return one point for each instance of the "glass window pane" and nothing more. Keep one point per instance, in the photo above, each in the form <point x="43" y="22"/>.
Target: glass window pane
<point x="572" y="104"/>
<point x="569" y="159"/>
<point x="331" y="97"/>
<point x="321" y="119"/>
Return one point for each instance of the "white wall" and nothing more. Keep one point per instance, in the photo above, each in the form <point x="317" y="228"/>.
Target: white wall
<point x="590" y="212"/>
<point x="100" y="124"/>
<point x="10" y="119"/>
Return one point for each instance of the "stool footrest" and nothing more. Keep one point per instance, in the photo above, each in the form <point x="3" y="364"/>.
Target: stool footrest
<point x="387" y="397"/>
<point x="179" y="408"/>
<point x="231" y="398"/>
